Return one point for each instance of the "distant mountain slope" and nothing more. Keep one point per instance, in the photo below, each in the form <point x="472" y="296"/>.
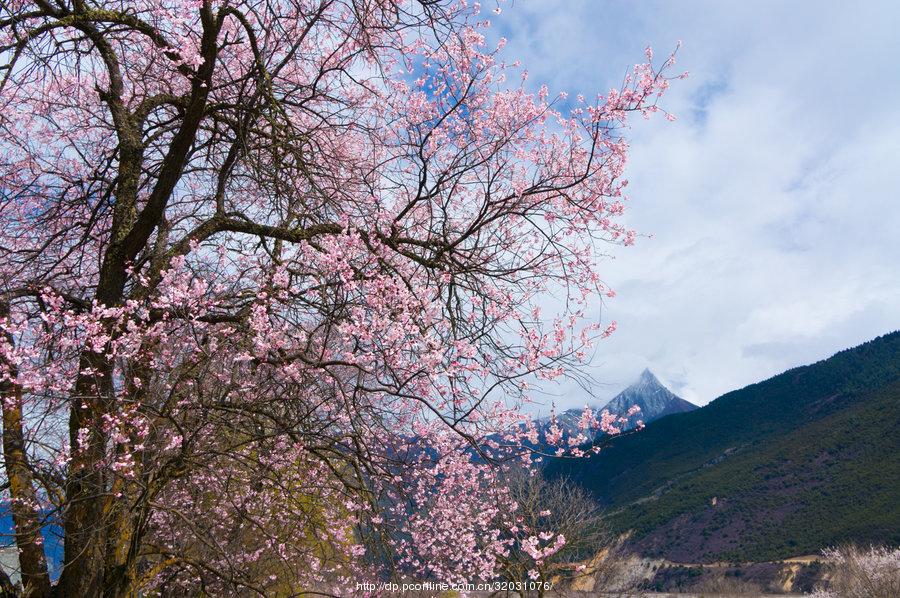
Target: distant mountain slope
<point x="647" y="392"/>
<point x="654" y="399"/>
<point x="803" y="460"/>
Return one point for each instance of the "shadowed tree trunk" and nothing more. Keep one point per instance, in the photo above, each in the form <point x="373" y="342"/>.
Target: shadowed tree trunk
<point x="24" y="500"/>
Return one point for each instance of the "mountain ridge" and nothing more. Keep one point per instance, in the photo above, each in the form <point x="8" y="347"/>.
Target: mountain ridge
<point x="799" y="461"/>
<point x="654" y="399"/>
<point x="647" y="392"/>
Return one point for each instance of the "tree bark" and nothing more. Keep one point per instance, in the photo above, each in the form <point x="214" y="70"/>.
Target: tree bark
<point x="24" y="504"/>
<point x="86" y="529"/>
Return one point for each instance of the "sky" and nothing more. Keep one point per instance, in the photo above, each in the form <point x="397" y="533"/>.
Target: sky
<point x="770" y="208"/>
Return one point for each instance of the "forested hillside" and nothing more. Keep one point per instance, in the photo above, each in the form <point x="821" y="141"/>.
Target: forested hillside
<point x="803" y="460"/>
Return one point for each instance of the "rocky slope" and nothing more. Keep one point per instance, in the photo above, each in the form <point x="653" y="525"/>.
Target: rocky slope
<point x="647" y="392"/>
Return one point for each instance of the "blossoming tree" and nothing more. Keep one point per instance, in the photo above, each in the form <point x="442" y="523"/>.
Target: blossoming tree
<point x="269" y="274"/>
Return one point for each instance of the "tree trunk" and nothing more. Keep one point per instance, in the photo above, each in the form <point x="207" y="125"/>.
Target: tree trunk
<point x="86" y="484"/>
<point x="24" y="505"/>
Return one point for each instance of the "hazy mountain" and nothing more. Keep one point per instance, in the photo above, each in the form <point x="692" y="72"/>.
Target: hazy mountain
<point x="807" y="459"/>
<point x="654" y="399"/>
<point x="647" y="392"/>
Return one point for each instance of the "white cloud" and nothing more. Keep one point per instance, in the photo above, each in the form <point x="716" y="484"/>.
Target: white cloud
<point x="772" y="201"/>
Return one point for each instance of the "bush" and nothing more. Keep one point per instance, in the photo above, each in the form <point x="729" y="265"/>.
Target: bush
<point x="862" y="573"/>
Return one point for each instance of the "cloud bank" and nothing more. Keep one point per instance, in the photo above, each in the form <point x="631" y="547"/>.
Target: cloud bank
<point x="771" y="205"/>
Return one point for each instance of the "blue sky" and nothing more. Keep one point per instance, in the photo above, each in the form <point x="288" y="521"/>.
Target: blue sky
<point x="773" y="202"/>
